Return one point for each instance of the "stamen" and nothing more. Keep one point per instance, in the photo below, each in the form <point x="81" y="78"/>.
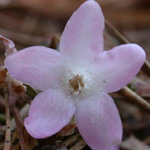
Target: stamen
<point x="76" y="84"/>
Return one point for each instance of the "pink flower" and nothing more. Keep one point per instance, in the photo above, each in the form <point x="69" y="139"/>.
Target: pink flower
<point x="76" y="80"/>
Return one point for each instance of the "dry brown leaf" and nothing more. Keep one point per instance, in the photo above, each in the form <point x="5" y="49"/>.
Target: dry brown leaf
<point x="132" y="143"/>
<point x="68" y="130"/>
<point x="3" y="76"/>
<point x="29" y="141"/>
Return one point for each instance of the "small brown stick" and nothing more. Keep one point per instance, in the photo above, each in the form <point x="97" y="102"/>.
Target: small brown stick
<point x="2" y="105"/>
<point x="20" y="126"/>
<point x="55" y="42"/>
<point x="146" y="67"/>
<point x="123" y="40"/>
<point x="22" y="38"/>
<point x="71" y="140"/>
<point x="17" y="115"/>
<point x="8" y="131"/>
<point x="116" y="33"/>
<point x="79" y="145"/>
<point x="134" y="98"/>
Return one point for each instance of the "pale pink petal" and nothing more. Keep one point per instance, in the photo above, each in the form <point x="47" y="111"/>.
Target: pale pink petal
<point x="83" y="34"/>
<point x="38" y="66"/>
<point x="50" y="111"/>
<point x="99" y="122"/>
<point x="117" y="67"/>
<point x="9" y="45"/>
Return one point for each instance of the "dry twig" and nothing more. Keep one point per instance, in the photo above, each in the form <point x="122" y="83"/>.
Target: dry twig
<point x="19" y="125"/>
<point x="71" y="140"/>
<point x="123" y="40"/>
<point x="8" y="131"/>
<point x="134" y="98"/>
<point x="22" y="38"/>
<point x="55" y="42"/>
<point x="79" y="145"/>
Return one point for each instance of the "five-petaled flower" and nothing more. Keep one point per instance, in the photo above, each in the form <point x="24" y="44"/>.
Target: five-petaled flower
<point x="76" y="80"/>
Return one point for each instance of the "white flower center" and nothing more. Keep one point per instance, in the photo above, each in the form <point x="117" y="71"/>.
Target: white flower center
<point x="79" y="81"/>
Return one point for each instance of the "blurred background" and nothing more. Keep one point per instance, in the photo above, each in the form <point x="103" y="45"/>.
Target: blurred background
<point x="37" y="22"/>
<point x="34" y="22"/>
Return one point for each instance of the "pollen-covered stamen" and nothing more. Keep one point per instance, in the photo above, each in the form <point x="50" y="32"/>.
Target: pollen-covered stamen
<point x="76" y="84"/>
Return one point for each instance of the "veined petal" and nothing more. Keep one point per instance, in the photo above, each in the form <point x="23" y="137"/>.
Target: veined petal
<point x="117" y="67"/>
<point x="36" y="66"/>
<point x="50" y="111"/>
<point x="99" y="122"/>
<point x="83" y="34"/>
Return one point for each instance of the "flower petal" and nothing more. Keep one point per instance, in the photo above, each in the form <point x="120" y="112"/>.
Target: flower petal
<point x="50" y="111"/>
<point x="83" y="34"/>
<point x="37" y="66"/>
<point x="117" y="67"/>
<point x="99" y="122"/>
